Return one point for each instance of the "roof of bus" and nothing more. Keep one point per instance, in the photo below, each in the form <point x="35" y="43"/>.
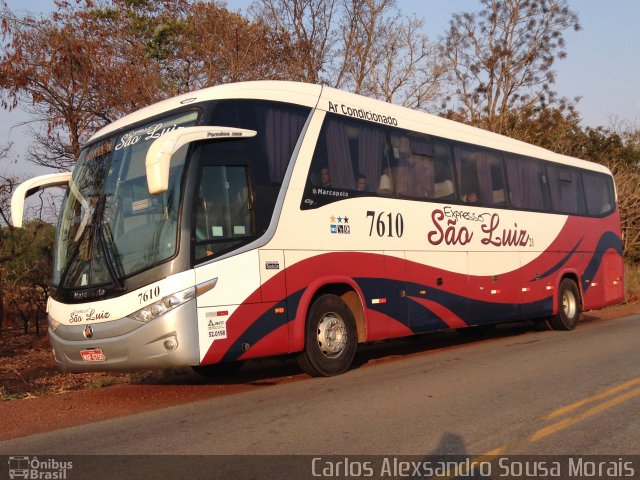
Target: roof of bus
<point x="290" y="92"/>
<point x="349" y="104"/>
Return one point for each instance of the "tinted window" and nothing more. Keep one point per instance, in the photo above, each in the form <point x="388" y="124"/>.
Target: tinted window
<point x="527" y="182"/>
<point x="223" y="210"/>
<point x="355" y="158"/>
<point x="480" y="176"/>
<point x="266" y="156"/>
<point x="598" y="193"/>
<point x="422" y="166"/>
<point x="565" y="188"/>
<point x="351" y="159"/>
<point x="278" y="126"/>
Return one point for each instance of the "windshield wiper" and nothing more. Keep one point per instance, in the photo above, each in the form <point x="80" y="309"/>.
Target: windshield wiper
<point x="75" y="250"/>
<point x="115" y="272"/>
<point x="111" y="255"/>
<point x="114" y="266"/>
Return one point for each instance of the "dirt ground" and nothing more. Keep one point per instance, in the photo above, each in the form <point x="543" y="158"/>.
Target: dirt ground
<point x="35" y="397"/>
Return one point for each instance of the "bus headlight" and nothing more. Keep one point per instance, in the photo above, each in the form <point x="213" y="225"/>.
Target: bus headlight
<point x="164" y="305"/>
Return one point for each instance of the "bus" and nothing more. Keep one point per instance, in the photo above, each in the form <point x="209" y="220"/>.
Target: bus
<point x="272" y="218"/>
<point x="19" y="467"/>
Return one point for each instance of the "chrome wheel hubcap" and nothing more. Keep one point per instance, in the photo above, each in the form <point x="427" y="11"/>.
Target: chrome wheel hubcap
<point x="332" y="335"/>
<point x="569" y="304"/>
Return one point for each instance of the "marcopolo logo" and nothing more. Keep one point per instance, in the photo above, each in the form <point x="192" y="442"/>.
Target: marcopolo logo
<point x="38" y="469"/>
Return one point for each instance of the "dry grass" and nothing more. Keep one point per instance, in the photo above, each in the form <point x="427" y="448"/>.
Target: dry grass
<point x="27" y="369"/>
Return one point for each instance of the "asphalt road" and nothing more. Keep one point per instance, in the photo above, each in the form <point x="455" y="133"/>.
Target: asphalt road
<point x="516" y="391"/>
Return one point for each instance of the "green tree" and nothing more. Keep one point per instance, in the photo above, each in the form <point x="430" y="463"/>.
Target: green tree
<point x="555" y="128"/>
<point x="25" y="276"/>
<point x="620" y="152"/>
<point x="25" y="256"/>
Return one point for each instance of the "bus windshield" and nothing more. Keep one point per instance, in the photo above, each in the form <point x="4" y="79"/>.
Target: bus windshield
<point x="109" y="226"/>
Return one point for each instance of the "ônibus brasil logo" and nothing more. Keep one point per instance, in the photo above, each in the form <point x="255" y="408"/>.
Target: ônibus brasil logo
<point x="34" y="468"/>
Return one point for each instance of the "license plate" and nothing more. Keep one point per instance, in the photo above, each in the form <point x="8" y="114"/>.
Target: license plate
<point x="93" y="355"/>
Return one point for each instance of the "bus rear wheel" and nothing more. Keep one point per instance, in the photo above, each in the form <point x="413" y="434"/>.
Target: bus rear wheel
<point x="330" y="338"/>
<point x="569" y="306"/>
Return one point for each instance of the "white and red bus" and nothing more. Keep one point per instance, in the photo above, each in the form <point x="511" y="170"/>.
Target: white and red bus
<point x="266" y="218"/>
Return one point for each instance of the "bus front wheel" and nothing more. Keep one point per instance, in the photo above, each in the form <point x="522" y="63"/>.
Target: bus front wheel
<point x="330" y="338"/>
<point x="569" y="306"/>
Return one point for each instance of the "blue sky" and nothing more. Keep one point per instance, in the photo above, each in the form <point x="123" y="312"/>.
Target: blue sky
<point x="603" y="59"/>
<point x="602" y="65"/>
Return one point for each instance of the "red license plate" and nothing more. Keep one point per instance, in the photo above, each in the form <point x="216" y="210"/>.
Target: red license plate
<point x="93" y="355"/>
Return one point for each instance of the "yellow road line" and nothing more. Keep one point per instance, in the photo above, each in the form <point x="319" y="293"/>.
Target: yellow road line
<point x="556" y="427"/>
<point x="567" y="422"/>
<point x="574" y="406"/>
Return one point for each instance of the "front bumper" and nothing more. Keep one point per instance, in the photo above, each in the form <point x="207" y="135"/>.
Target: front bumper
<point x="129" y="345"/>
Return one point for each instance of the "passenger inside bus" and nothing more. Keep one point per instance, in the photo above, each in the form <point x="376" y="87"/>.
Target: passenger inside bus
<point x="325" y="177"/>
<point x="361" y="183"/>
<point x="385" y="187"/>
<point x="471" y="197"/>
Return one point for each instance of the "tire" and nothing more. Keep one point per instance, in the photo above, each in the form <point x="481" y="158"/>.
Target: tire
<point x="331" y="338"/>
<point x="569" y="306"/>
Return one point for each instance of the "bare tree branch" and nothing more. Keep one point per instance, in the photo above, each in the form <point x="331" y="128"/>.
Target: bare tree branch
<point x="502" y="57"/>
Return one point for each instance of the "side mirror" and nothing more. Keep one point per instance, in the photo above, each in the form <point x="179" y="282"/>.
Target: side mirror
<point x="29" y="187"/>
<point x="160" y="152"/>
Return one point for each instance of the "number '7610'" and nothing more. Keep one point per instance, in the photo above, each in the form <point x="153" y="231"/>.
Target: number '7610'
<point x="386" y="224"/>
<point x="149" y="294"/>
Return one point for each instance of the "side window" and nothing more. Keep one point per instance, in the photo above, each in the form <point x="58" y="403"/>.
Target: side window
<point x="422" y="166"/>
<point x="414" y="170"/>
<point x="278" y="127"/>
<point x="480" y="176"/>
<point x="351" y="159"/>
<point x="527" y="182"/>
<point x="443" y="187"/>
<point x="223" y="210"/>
<point x="566" y="189"/>
<point x="599" y="199"/>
